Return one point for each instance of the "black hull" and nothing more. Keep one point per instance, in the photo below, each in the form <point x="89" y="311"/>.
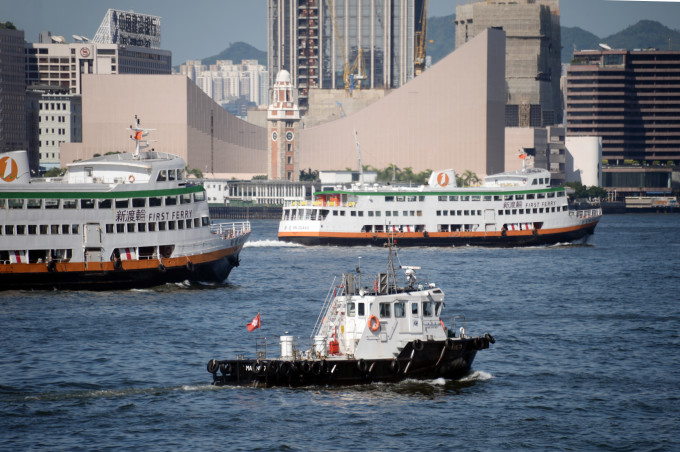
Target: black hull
<point x="437" y="359"/>
<point x="504" y="241"/>
<point x="214" y="271"/>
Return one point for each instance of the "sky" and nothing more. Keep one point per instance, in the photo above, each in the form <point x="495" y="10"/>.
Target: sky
<point x="201" y="28"/>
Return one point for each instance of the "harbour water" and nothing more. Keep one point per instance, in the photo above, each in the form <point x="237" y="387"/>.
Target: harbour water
<point x="587" y="354"/>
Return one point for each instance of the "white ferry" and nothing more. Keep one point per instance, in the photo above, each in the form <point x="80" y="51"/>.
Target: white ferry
<point x="515" y="208"/>
<point x="370" y="329"/>
<point x="112" y="222"/>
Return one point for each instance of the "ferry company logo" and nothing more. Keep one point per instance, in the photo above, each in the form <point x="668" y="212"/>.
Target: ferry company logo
<point x="8" y="169"/>
<point x="443" y="179"/>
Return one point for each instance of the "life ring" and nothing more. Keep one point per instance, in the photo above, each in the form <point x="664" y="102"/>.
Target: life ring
<point x="213" y="365"/>
<point x="395" y="366"/>
<point x="418" y="345"/>
<point x="362" y="366"/>
<point x="225" y="368"/>
<point x="306" y="367"/>
<point x="131" y="178"/>
<point x="373" y="323"/>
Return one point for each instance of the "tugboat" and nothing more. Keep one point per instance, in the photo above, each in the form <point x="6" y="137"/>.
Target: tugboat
<point x="380" y="332"/>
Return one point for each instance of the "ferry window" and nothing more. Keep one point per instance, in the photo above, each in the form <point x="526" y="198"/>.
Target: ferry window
<point x="531" y="196"/>
<point x="171" y="225"/>
<point x="400" y="199"/>
<point x="534" y="182"/>
<point x="388" y="213"/>
<point x="419" y="213"/>
<point x="171" y="174"/>
<point x="351" y="309"/>
<point x="122" y="203"/>
<point x="16" y="203"/>
<point x="88" y="169"/>
<point x="152" y="227"/>
<point x="519" y="196"/>
<point x="21" y="229"/>
<point x="552" y="209"/>
<point x="476" y="198"/>
<point x="171" y="200"/>
<point x="155" y="201"/>
<point x="551" y="195"/>
<point x="131" y="227"/>
<point x="514" y="211"/>
<point x="404" y="213"/>
<point x="487" y="197"/>
<point x="205" y="221"/>
<point x="120" y="228"/>
<point x="560" y="194"/>
<point x="43" y="229"/>
<point x="500" y="212"/>
<point x="411" y="199"/>
<point x="353" y="213"/>
<point x="109" y="229"/>
<point x="564" y="208"/>
<point x="540" y="210"/>
<point x="138" y="202"/>
<point x="465" y="198"/>
<point x="361" y="310"/>
<point x="87" y="203"/>
<point x="437" y="307"/>
<point x="540" y="180"/>
<point x="180" y="224"/>
<point x="507" y="197"/>
<point x="399" y="309"/>
<point x="54" y="230"/>
<point x="188" y="223"/>
<point x="540" y="195"/>
<point x="445" y="212"/>
<point x="200" y="196"/>
<point x="197" y="222"/>
<point x="2" y="203"/>
<point x="414" y="308"/>
<point x="389" y="198"/>
<point x="361" y="213"/>
<point x="370" y="213"/>
<point x="65" y="228"/>
<point x="466" y="212"/>
<point x="185" y="199"/>
<point x="162" y="176"/>
<point x="395" y="213"/>
<point x="547" y="181"/>
<point x="507" y="211"/>
<point x="342" y="213"/>
<point x="453" y="198"/>
<point x="421" y="198"/>
<point x="427" y="308"/>
<point x="9" y="229"/>
<point x="385" y="311"/>
<point x="521" y="211"/>
<point x="32" y="229"/>
<point x="452" y="213"/>
<point x="335" y="213"/>
<point x="442" y="198"/>
<point x="496" y="198"/>
<point x="105" y="204"/>
<point x="75" y="229"/>
<point x="180" y="174"/>
<point x="34" y="204"/>
<point x="162" y="226"/>
<point x="535" y="210"/>
<point x="141" y="227"/>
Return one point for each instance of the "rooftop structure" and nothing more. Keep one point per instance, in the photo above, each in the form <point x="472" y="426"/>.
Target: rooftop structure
<point x="128" y="28"/>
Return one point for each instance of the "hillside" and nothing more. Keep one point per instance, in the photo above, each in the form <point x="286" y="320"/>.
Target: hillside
<point x="237" y="52"/>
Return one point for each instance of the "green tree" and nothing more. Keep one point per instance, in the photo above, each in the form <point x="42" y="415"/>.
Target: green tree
<point x="310" y="175"/>
<point x="197" y="173"/>
<point x="55" y="172"/>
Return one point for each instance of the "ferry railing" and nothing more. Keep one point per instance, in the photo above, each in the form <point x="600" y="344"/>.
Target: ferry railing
<point x="230" y="230"/>
<point x="333" y="292"/>
<point x="588" y="213"/>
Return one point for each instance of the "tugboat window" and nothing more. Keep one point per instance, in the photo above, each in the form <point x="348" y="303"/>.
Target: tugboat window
<point x="362" y="312"/>
<point x="351" y="309"/>
<point x="385" y="311"/>
<point x="399" y="309"/>
<point x="414" y="308"/>
<point x="427" y="309"/>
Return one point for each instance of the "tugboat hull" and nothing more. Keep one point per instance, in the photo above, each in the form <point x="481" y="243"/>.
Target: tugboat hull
<point x="450" y="359"/>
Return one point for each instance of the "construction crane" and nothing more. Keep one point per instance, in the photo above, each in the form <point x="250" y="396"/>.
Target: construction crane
<point x="421" y="40"/>
<point x="354" y="74"/>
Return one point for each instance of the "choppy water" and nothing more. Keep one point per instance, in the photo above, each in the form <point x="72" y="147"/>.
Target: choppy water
<point x="587" y="354"/>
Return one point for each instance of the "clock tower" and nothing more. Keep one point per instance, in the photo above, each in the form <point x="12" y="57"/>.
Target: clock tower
<point x="283" y="117"/>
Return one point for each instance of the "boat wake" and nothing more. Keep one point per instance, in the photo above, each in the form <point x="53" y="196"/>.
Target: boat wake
<point x="271" y="244"/>
<point x="114" y="393"/>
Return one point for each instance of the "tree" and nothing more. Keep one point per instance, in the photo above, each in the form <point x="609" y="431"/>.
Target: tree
<point x="309" y="175"/>
<point x="197" y="173"/>
<point x="55" y="172"/>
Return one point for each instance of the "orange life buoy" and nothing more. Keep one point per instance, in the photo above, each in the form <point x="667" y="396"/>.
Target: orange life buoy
<point x="131" y="178"/>
<point x="443" y="326"/>
<point x="373" y="323"/>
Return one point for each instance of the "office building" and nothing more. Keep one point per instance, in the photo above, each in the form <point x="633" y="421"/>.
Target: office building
<point x="344" y="44"/>
<point x="12" y="90"/>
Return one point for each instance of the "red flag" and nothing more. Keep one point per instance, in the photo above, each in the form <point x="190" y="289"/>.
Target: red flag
<point x="523" y="156"/>
<point x="255" y="323"/>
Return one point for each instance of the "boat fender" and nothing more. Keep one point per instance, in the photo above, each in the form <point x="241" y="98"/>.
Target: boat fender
<point x="373" y="323"/>
<point x="478" y="343"/>
<point x="306" y="367"/>
<point x="117" y="264"/>
<point x="225" y="368"/>
<point x="395" y="366"/>
<point x="213" y="365"/>
<point x="362" y="366"/>
<point x="272" y="368"/>
<point x="535" y="232"/>
<point x="161" y="268"/>
<point x="190" y="266"/>
<point x="284" y="368"/>
<point x="131" y="178"/>
<point x="51" y="266"/>
<point x="449" y="344"/>
<point x="418" y="345"/>
<point x="316" y="368"/>
<point x="324" y="366"/>
<point x="259" y="368"/>
<point x="490" y="338"/>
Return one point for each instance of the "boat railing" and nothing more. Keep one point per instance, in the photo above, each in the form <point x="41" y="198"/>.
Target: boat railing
<point x="333" y="291"/>
<point x="230" y="230"/>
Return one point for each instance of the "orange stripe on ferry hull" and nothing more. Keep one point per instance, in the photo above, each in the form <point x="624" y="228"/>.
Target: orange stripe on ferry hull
<point x="475" y="238"/>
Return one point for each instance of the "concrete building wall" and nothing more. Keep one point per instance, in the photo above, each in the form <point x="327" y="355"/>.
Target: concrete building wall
<point x="584" y="155"/>
<point x="518" y="139"/>
<point x="12" y="91"/>
<point x="188" y="123"/>
<point x="451" y="116"/>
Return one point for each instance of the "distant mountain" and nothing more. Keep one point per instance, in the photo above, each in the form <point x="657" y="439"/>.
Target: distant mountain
<point x="644" y="35"/>
<point x="575" y="38"/>
<point x="236" y="52"/>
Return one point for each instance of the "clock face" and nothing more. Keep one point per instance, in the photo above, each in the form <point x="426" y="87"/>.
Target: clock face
<point x="275" y="136"/>
<point x="289" y="136"/>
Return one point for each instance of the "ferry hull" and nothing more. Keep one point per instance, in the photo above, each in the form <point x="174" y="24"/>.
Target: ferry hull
<point x="495" y="239"/>
<point x="436" y="359"/>
<point x="106" y="277"/>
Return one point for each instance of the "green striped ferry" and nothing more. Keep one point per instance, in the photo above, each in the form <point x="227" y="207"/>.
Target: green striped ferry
<point x="120" y="221"/>
<point x="514" y="208"/>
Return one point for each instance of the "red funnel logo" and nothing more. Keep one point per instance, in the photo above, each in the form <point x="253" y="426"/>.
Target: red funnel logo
<point x="9" y="170"/>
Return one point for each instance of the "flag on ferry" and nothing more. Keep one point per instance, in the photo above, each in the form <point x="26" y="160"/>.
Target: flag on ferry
<point x="255" y="323"/>
<point x="523" y="155"/>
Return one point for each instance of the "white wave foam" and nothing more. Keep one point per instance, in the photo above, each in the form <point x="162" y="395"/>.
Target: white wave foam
<point x="271" y="244"/>
<point x="477" y="375"/>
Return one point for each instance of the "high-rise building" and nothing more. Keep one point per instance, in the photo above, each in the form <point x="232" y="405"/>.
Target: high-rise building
<point x="632" y="100"/>
<point x="532" y="55"/>
<point x="12" y="89"/>
<point x="225" y="81"/>
<point x="344" y="44"/>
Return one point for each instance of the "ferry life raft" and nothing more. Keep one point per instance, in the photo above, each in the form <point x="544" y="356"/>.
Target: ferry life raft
<point x="378" y="333"/>
<point x="120" y="221"/>
<point x="515" y="208"/>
